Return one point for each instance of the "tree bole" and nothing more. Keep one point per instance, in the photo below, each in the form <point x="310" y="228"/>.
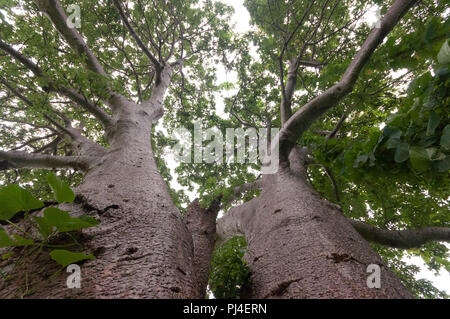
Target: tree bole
<point x="302" y="246"/>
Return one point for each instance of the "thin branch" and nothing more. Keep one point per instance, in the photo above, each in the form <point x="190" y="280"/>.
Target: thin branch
<point x="138" y="40"/>
<point x="330" y="175"/>
<point x="288" y="89"/>
<point x="31" y="141"/>
<point x="332" y="134"/>
<point x="53" y="87"/>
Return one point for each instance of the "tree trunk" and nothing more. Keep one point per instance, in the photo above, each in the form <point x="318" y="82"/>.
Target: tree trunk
<point x="142" y="245"/>
<point x="301" y="246"/>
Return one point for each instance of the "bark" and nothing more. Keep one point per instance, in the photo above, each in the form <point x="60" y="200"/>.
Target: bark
<point x="301" y="246"/>
<point x="16" y="159"/>
<point x="201" y="222"/>
<point x="406" y="239"/>
<point x="142" y="245"/>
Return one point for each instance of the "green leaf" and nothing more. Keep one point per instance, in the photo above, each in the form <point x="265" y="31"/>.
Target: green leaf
<point x="419" y="158"/>
<point x="444" y="53"/>
<point x="401" y="153"/>
<point x="360" y="159"/>
<point x="442" y="165"/>
<point x="426" y="141"/>
<point x="44" y="228"/>
<point x="7" y="255"/>
<point x="392" y="142"/>
<point x="21" y="241"/>
<point x="445" y="138"/>
<point x="65" y="257"/>
<point x="62" y="191"/>
<point x="6" y="241"/>
<point x="433" y="123"/>
<point x="392" y="132"/>
<point x="14" y="199"/>
<point x="64" y="223"/>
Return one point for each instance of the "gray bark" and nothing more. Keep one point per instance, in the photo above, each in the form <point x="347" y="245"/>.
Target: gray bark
<point x="302" y="246"/>
<point x="201" y="223"/>
<point x="142" y="245"/>
<point x="405" y="239"/>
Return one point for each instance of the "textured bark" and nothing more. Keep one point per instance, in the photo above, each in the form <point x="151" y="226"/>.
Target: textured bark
<point x="302" y="246"/>
<point x="406" y="239"/>
<point x="299" y="245"/>
<point x="143" y="248"/>
<point x="201" y="222"/>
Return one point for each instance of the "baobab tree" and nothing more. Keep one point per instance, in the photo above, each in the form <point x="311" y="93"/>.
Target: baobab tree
<point x="88" y="99"/>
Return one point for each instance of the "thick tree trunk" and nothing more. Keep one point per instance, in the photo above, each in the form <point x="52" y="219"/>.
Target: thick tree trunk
<point x="142" y="245"/>
<point x="302" y="246"/>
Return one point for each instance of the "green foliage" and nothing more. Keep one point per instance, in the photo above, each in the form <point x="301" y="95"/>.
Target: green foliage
<point x="420" y="288"/>
<point x="61" y="190"/>
<point x="62" y="221"/>
<point x="15" y="199"/>
<point x="65" y="257"/>
<point x="229" y="272"/>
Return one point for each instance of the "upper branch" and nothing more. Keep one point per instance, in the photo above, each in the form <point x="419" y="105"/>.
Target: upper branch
<point x="57" y="15"/>
<point x="305" y="116"/>
<point x="136" y="37"/>
<point x="405" y="239"/>
<point x="52" y="86"/>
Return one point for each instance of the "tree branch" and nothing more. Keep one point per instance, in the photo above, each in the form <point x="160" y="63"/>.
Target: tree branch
<point x="138" y="40"/>
<point x="11" y="160"/>
<point x="235" y="221"/>
<point x="237" y="191"/>
<point x="305" y="116"/>
<point x="57" y="15"/>
<point x="78" y="98"/>
<point x="82" y="145"/>
<point x="31" y="141"/>
<point x="404" y="239"/>
<point x="341" y="121"/>
<point x="201" y="223"/>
